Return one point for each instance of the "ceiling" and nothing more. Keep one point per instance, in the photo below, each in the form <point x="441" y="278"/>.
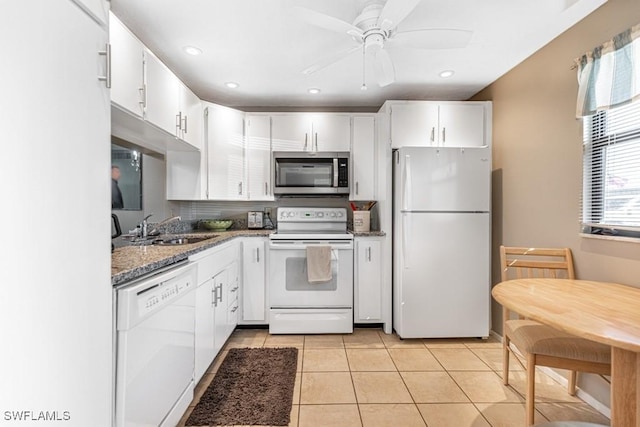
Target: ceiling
<point x="264" y="45"/>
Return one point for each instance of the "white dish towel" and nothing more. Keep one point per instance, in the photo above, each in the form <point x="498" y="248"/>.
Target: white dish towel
<point x="318" y="264"/>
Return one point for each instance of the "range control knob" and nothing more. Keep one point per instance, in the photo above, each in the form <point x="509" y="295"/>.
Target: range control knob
<point x="332" y="214"/>
<point x="340" y="214"/>
<point x="320" y="214"/>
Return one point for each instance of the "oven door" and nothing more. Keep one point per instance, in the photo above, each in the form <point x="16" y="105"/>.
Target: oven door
<point x="288" y="283"/>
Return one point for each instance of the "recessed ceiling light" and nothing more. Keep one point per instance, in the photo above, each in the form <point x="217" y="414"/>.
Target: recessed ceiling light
<point x="446" y="74"/>
<point x="192" y="50"/>
<point x="232" y="85"/>
<point x="314" y="90"/>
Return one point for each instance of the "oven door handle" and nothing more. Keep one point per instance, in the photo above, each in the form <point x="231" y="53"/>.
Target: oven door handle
<point x="300" y="246"/>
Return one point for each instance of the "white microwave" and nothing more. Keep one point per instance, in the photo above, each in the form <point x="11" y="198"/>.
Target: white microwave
<point x="310" y="172"/>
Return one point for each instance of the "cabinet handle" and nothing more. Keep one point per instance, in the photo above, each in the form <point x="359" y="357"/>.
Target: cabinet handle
<point x="356" y="188"/>
<point x="258" y="255"/>
<point x="107" y="77"/>
<point x="369" y="254"/>
<point x="214" y="295"/>
<point x="433" y="135"/>
<point x="306" y="136"/>
<point x="178" y="122"/>
<point x="143" y="96"/>
<point x="240" y="188"/>
<point x="316" y="141"/>
<point x="185" y="123"/>
<point x="220" y="294"/>
<point x="266" y="189"/>
<point x="444" y="135"/>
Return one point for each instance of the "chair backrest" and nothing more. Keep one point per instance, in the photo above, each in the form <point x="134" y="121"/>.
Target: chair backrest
<point x="518" y="263"/>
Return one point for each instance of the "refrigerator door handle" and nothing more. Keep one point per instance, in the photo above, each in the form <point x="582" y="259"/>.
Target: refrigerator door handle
<point x="406" y="227"/>
<point x="406" y="183"/>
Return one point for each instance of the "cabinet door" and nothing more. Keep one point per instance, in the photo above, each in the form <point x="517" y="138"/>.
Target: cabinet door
<point x="331" y="132"/>
<point x="368" y="280"/>
<point x="162" y="95"/>
<point x="127" y="73"/>
<point x="291" y="132"/>
<point x="220" y="283"/>
<point x="253" y="280"/>
<point x="226" y="154"/>
<point x="414" y="124"/>
<point x="258" y="154"/>
<point x="191" y="117"/>
<point x="461" y="125"/>
<point x="363" y="159"/>
<point x="204" y="336"/>
<point x="233" y="277"/>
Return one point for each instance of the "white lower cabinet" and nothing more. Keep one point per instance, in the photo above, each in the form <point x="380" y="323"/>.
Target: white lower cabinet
<point x="216" y="302"/>
<point x="368" y="282"/>
<point x="254" y="287"/>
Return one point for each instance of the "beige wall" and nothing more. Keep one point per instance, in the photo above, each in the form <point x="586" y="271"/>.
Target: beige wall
<point x="538" y="156"/>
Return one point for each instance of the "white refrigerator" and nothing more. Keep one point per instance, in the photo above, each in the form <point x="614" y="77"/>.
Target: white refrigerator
<point x="442" y="242"/>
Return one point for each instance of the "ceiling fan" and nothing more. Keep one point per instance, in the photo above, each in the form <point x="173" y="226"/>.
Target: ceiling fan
<point x="375" y="31"/>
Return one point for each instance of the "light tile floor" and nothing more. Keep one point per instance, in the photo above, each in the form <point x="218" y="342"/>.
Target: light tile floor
<point x="370" y="379"/>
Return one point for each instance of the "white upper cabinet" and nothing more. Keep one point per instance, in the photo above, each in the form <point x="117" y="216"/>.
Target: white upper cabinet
<point x="414" y="124"/>
<point x="363" y="159"/>
<point x="226" y="174"/>
<point x="442" y="124"/>
<point x="162" y="95"/>
<point x="331" y="132"/>
<point x="258" y="156"/>
<point x="311" y="132"/>
<point x="462" y="125"/>
<point x="190" y="116"/>
<point x="127" y="72"/>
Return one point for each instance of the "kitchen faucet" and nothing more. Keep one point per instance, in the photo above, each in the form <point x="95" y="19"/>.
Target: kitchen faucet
<point x="144" y="226"/>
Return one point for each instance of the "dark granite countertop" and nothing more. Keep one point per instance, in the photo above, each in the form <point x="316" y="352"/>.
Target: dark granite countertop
<point x="132" y="262"/>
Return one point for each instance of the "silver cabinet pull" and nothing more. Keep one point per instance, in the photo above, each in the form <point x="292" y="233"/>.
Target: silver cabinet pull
<point x="266" y="189"/>
<point x="240" y="188"/>
<point x="316" y="141"/>
<point x="143" y="96"/>
<point x="356" y="187"/>
<point x="178" y="122"/>
<point x="444" y="135"/>
<point x="214" y="295"/>
<point x="107" y="77"/>
<point x="258" y="255"/>
<point x="369" y="254"/>
<point x="220" y="294"/>
<point x="433" y="134"/>
<point x="185" y="123"/>
<point x="306" y="136"/>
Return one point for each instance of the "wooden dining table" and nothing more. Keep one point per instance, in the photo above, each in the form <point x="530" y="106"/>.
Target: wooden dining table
<point x="608" y="313"/>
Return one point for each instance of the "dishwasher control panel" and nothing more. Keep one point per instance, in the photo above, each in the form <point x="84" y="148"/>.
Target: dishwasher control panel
<point x="143" y="298"/>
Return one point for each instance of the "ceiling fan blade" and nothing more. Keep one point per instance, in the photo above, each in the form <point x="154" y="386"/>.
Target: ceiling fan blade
<point x="394" y="12"/>
<point x="433" y="38"/>
<point x="327" y="22"/>
<point x="383" y="68"/>
<point x="329" y="60"/>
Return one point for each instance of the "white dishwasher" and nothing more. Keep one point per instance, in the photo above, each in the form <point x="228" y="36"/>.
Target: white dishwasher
<point x="155" y="332"/>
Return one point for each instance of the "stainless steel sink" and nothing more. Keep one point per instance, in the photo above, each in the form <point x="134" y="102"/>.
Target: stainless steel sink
<point x="174" y="241"/>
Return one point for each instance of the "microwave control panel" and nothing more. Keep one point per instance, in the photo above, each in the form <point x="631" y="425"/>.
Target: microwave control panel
<point x="343" y="172"/>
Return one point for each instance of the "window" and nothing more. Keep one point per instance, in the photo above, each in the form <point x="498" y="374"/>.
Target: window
<point x="611" y="178"/>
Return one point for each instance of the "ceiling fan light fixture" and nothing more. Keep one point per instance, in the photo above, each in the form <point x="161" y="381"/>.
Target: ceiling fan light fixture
<point x="192" y="50"/>
<point x="446" y="74"/>
<point x="313" y="91"/>
<point x="232" y="85"/>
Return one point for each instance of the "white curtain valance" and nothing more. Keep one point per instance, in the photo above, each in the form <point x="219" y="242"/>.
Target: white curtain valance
<point x="609" y="75"/>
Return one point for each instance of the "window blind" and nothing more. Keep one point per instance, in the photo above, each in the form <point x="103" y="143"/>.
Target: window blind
<point x="611" y="175"/>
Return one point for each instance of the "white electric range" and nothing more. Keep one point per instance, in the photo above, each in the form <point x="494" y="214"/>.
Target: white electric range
<point x="296" y="305"/>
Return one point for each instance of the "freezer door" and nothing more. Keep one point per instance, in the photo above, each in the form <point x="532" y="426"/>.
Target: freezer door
<point x="443" y="179"/>
<point x="442" y="275"/>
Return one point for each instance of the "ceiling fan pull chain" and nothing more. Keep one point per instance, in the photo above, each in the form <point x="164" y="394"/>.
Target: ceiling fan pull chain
<point x="364" y="81"/>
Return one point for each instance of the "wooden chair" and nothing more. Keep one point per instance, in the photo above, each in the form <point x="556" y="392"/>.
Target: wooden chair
<point x="541" y="344"/>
